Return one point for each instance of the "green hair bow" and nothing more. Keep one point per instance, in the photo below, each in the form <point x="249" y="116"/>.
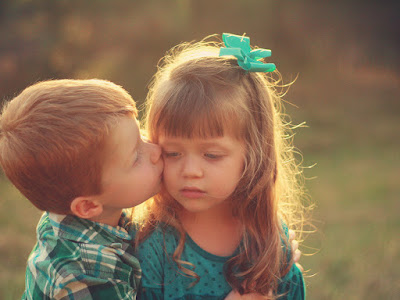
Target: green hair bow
<point x="239" y="46"/>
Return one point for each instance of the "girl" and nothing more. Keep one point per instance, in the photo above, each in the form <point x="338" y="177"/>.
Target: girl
<point x="230" y="179"/>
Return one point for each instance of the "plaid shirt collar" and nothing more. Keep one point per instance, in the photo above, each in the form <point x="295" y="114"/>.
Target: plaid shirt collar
<point x="85" y="231"/>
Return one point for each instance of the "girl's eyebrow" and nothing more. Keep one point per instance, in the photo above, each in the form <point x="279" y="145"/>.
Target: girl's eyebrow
<point x="214" y="142"/>
<point x="167" y="143"/>
<point x="215" y="146"/>
<point x="211" y="144"/>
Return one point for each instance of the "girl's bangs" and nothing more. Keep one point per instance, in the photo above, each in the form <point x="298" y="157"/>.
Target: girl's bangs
<point x="198" y="114"/>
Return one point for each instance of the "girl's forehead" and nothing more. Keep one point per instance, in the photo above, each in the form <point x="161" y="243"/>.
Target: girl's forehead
<point x="199" y="131"/>
<point x="204" y="112"/>
<point x="199" y="125"/>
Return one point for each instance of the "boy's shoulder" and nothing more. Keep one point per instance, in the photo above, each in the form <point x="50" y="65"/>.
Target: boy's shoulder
<point x="72" y="229"/>
<point x="71" y="250"/>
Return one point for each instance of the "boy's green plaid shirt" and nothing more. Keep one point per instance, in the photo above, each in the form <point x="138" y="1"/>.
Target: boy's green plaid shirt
<point x="79" y="259"/>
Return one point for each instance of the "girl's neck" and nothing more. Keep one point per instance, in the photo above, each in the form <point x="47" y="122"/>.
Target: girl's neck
<point x="215" y="230"/>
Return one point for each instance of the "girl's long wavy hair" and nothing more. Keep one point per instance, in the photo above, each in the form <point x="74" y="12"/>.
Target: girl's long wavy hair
<point x="196" y="93"/>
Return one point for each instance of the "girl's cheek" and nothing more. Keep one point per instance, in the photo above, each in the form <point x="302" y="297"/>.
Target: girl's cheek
<point x="166" y="172"/>
<point x="168" y="166"/>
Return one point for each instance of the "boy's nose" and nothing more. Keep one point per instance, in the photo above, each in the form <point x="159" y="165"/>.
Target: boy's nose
<point x="155" y="152"/>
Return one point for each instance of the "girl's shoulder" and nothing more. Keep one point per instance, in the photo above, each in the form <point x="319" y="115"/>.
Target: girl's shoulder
<point x="165" y="231"/>
<point x="162" y="234"/>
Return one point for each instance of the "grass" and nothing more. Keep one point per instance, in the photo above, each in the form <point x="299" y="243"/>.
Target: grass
<point x="353" y="137"/>
<point x="357" y="223"/>
<point x="18" y="220"/>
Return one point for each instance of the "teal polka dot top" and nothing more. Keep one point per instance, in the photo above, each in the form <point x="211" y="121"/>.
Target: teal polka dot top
<point x="161" y="278"/>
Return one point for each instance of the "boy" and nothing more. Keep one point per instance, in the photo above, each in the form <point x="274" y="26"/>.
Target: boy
<point x="73" y="148"/>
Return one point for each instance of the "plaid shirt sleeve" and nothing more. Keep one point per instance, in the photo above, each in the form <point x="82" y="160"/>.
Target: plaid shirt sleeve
<point x="78" y="286"/>
<point x="67" y="269"/>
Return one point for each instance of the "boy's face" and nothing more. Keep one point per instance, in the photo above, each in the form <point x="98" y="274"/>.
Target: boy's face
<point x="202" y="173"/>
<point x="133" y="168"/>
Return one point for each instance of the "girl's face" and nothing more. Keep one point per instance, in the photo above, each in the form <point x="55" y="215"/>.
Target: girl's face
<point x="201" y="173"/>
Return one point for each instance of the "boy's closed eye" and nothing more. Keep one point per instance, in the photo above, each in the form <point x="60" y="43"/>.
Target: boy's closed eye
<point x="136" y="158"/>
<point x="137" y="153"/>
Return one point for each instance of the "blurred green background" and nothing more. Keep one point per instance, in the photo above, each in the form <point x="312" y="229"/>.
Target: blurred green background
<point x="346" y="57"/>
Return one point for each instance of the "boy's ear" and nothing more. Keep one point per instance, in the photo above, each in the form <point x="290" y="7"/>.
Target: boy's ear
<point x="86" y="207"/>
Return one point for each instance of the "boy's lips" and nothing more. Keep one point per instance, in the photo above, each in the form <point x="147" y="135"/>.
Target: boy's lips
<point x="192" y="192"/>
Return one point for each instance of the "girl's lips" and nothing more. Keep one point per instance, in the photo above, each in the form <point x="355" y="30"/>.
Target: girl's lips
<point x="192" y="193"/>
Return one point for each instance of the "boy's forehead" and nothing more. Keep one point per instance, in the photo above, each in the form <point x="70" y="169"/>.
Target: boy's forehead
<point x="126" y="131"/>
<point x="122" y="142"/>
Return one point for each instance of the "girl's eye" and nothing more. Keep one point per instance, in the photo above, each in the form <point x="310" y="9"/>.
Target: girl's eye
<point x="171" y="154"/>
<point x="212" y="156"/>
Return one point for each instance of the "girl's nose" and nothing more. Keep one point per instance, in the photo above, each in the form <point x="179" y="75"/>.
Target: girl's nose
<point x="191" y="168"/>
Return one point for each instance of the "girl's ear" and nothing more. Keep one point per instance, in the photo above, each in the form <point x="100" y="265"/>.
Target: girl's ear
<point x="86" y="207"/>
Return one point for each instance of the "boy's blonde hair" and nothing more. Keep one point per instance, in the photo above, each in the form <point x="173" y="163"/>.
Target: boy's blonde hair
<point x="53" y="139"/>
<point x="196" y="93"/>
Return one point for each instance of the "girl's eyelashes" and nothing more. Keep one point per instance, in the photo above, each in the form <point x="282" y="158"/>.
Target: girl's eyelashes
<point x="212" y="156"/>
<point x="171" y="154"/>
<point x="207" y="155"/>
